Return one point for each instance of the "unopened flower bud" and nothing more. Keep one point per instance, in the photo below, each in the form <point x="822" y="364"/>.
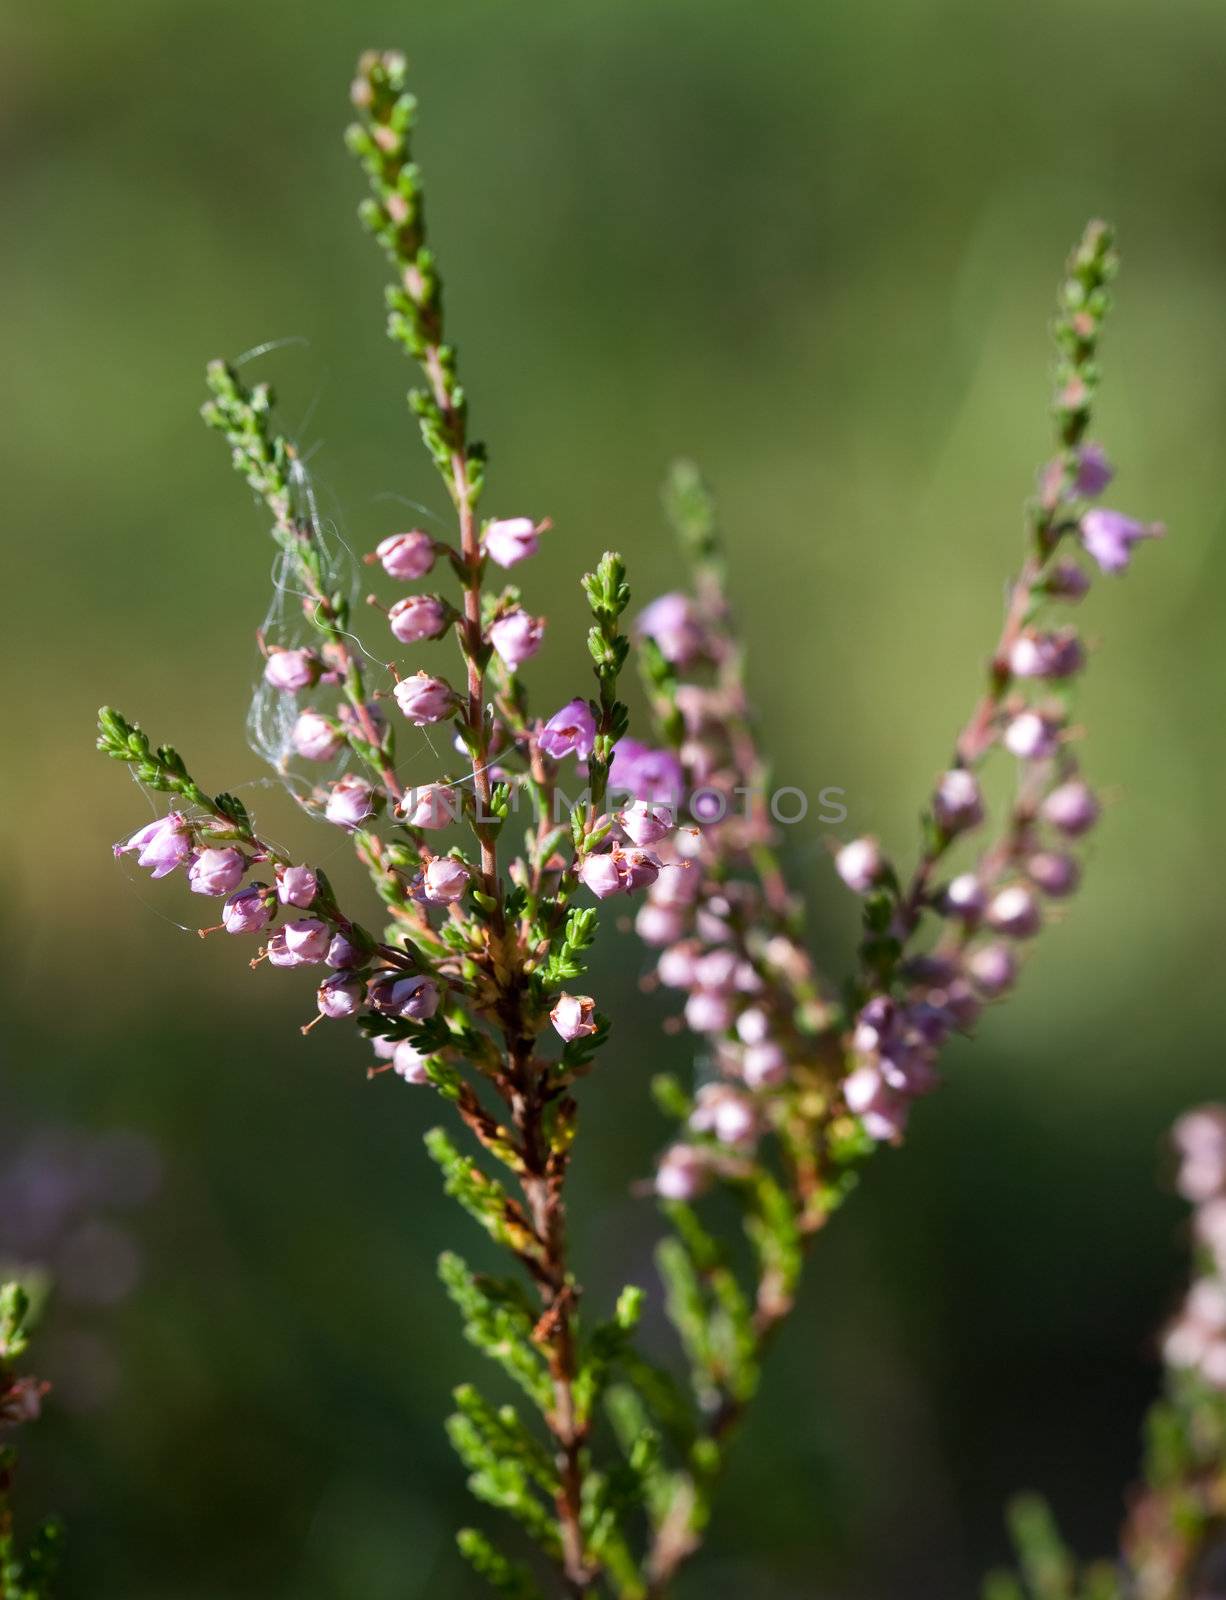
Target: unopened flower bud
<point x="753" y="1025"/>
<point x="708" y="1011"/>
<point x="1055" y="873"/>
<point x="516" y="636"/>
<point x="315" y="737"/>
<point x="1067" y="580"/>
<point x="1094" y="471"/>
<point x="673" y="623"/>
<point x="296" y="886"/>
<point x="958" y="802"/>
<point x="415" y="998"/>
<point x="436" y="805"/>
<point x="1071" y="808"/>
<point x="1032" y="737"/>
<point x="445" y="880"/>
<point x="406" y="555"/>
<point x="963" y="897"/>
<point x="764" y="1066"/>
<point x="860" y="865"/>
<point x="351" y="802"/>
<point x="509" y="540"/>
<point x="659" y="925"/>
<point x="343" y="953"/>
<point x="675" y="968"/>
<point x="573" y="1016"/>
<point x="424" y="699"/>
<point x="418" y="616"/>
<point x="992" y="968"/>
<point x="1046" y="655"/>
<point x="216" y="871"/>
<point x="290" y="670"/>
<point x="683" y="1173"/>
<point x="1015" y="911"/>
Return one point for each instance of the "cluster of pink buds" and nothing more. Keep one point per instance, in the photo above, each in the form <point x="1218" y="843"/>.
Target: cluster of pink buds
<point x="1195" y="1341"/>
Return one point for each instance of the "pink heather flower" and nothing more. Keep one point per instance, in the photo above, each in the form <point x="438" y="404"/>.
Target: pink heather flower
<point x="1094" y="471"/>
<point x="1046" y="655"/>
<point x="216" y="871"/>
<point x="708" y="1011"/>
<point x="316" y="737"/>
<point x="406" y="555"/>
<point x="279" y="953"/>
<point x="674" y="625"/>
<point x="435" y="806"/>
<point x="764" y="1066"/>
<point x="1071" y="808"/>
<point x="21" y="1401"/>
<point x="248" y="911"/>
<point x="639" y="869"/>
<point x="683" y="1173"/>
<point x="721" y="1110"/>
<point x="409" y="1063"/>
<point x="659" y="925"/>
<point x="425" y="699"/>
<point x="1199" y="1137"/>
<point x="162" y="845"/>
<point x="717" y="969"/>
<point x="418" y="616"/>
<point x="516" y="636"/>
<point x="1067" y="580"/>
<point x="444" y="880"/>
<point x="1015" y="911"/>
<point x="1109" y="537"/>
<point x="602" y="875"/>
<point x="416" y="998"/>
<point x="1032" y="736"/>
<point x="963" y="897"/>
<point x="572" y="1016"/>
<point x="992" y="968"/>
<point x="308" y="939"/>
<point x="882" y="1111"/>
<point x="859" y="864"/>
<point x="675" y="968"/>
<point x="509" y="540"/>
<point x="570" y="732"/>
<point x="1056" y="874"/>
<point x="296" y="886"/>
<point x="646" y="824"/>
<point x="646" y="773"/>
<point x="384" y="1049"/>
<point x="339" y="996"/>
<point x="753" y="1025"/>
<point x="292" y="669"/>
<point x="351" y="802"/>
<point x="958" y="803"/>
<point x="343" y="953"/>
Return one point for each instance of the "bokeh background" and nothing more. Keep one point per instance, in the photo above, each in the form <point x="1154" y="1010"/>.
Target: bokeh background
<point x="815" y="246"/>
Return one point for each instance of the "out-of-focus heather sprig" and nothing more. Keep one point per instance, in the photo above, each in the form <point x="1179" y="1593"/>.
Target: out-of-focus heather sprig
<point x="26" y="1571"/>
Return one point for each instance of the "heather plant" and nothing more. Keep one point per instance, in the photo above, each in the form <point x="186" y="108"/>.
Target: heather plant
<point x="490" y="878"/>
<point x="26" y="1570"/>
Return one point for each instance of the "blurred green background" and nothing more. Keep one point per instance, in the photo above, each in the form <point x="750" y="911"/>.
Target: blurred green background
<point x="815" y="246"/>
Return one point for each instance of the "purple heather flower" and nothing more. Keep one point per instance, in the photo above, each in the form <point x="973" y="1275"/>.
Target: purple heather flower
<point x="882" y="1111"/>
<point x="1055" y="873"/>
<point x="859" y="864"/>
<point x="162" y="845"/>
<point x="351" y="802"/>
<point x="676" y="966"/>
<point x="1071" y="808"/>
<point x="516" y="636"/>
<point x="992" y="968"/>
<point x="753" y="1025"/>
<point x="406" y="555"/>
<point x="343" y="953"/>
<point x="339" y="996"/>
<point x="646" y="773"/>
<point x="1199" y="1138"/>
<point x="1032" y="737"/>
<point x="659" y="925"/>
<point x="764" y="1066"/>
<point x="963" y="898"/>
<point x="958" y="803"/>
<point x="1046" y="655"/>
<point x="673" y="623"/>
<point x="436" y="805"/>
<point x="292" y="669"/>
<point x="682" y="1174"/>
<point x="307" y="938"/>
<point x="216" y="871"/>
<point x="1094" y="471"/>
<point x="248" y="911"/>
<point x="572" y="1016"/>
<point x="416" y="998"/>
<point x="708" y="1011"/>
<point x="509" y="540"/>
<point x="717" y="969"/>
<point x="1015" y="911"/>
<point x="569" y="732"/>
<point x="418" y="616"/>
<point x="721" y="1110"/>
<point x="316" y="737"/>
<point x="296" y="886"/>
<point x="279" y="953"/>
<point x="639" y="869"/>
<point x="601" y="874"/>
<point x="409" y="1063"/>
<point x="1109" y="537"/>
<point x="1067" y="580"/>
<point x="424" y="699"/>
<point x="646" y="824"/>
<point x="444" y="880"/>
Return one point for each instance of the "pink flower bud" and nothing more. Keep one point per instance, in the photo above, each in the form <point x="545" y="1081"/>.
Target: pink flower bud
<point x="1109" y="537"/>
<point x="216" y="871"/>
<point x="409" y="1063"/>
<point x="753" y="1026"/>
<point x="992" y="968"/>
<point x="963" y="898"/>
<point x="859" y="864"/>
<point x="1046" y="655"/>
<point x="1199" y="1137"/>
<point x="683" y="1173"/>
<point x="659" y="925"/>
<point x="248" y="911"/>
<point x="339" y="996"/>
<point x="516" y="636"/>
<point x="721" y="1110"/>
<point x="1071" y="808"/>
<point x="572" y="1016"/>
<point x="351" y="802"/>
<point x="1067" y="580"/>
<point x="1015" y="911"/>
<point x="675" y="967"/>
<point x="1056" y="874"/>
<point x="1094" y="471"/>
<point x="425" y="699"/>
<point x="958" y="803"/>
<point x="764" y="1066"/>
<point x="406" y="555"/>
<point x="343" y="953"/>
<point x="292" y="669"/>
<point x="601" y="874"/>
<point x="645" y="824"/>
<point x="673" y="623"/>
<point x="708" y="1011"/>
<point x="444" y="880"/>
<point x="296" y="886"/>
<point x="571" y="731"/>
<point x="315" y="737"/>
<point x="436" y="805"/>
<point x="511" y="539"/>
<point x="308" y="939"/>
<point x="717" y="969"/>
<point x="418" y="616"/>
<point x="1032" y="736"/>
<point x="416" y="998"/>
<point x="162" y="845"/>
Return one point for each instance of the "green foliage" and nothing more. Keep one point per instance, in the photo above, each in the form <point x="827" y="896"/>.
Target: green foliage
<point x="485" y="1200"/>
<point x="690" y="509"/>
<point x="498" y="1320"/>
<point x="28" y="1574"/>
<point x="505" y="1577"/>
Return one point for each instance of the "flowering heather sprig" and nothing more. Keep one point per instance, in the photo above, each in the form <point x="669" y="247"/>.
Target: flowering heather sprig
<point x="26" y="1573"/>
